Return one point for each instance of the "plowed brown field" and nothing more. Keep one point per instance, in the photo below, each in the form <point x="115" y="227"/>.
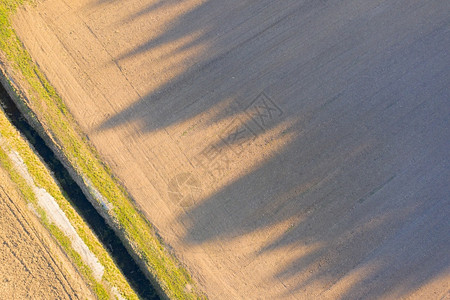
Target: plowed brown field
<point x="32" y="266"/>
<point x="283" y="149"/>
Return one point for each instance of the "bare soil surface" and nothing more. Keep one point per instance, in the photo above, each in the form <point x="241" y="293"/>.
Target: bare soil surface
<point x="32" y="266"/>
<point x="283" y="149"/>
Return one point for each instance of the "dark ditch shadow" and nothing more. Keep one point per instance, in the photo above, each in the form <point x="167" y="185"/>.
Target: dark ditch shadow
<point x="73" y="193"/>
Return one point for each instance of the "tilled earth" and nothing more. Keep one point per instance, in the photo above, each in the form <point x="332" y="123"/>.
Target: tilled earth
<point x="32" y="266"/>
<point x="284" y="149"/>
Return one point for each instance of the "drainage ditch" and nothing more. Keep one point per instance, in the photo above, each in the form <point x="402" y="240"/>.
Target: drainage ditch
<point x="138" y="281"/>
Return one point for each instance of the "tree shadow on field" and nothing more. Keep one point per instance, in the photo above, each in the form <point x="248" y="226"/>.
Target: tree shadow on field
<point x="361" y="185"/>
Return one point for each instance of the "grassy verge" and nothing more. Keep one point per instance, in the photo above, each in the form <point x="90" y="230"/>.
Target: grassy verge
<point x="112" y="277"/>
<point x="47" y="110"/>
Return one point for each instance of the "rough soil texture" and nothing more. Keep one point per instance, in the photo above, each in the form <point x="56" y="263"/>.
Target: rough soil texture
<point x="283" y="149"/>
<point x="32" y="266"/>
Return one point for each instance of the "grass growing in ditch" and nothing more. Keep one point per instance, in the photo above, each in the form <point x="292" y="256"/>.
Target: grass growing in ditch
<point x="51" y="112"/>
<point x="12" y="141"/>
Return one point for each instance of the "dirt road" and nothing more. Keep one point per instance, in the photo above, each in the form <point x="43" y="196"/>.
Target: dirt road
<point x="284" y="149"/>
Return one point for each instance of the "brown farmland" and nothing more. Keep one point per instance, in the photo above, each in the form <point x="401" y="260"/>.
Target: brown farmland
<point x="283" y="149"/>
<point x="32" y="265"/>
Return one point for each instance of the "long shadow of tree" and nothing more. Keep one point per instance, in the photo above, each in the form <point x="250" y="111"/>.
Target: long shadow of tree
<point x="364" y="88"/>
